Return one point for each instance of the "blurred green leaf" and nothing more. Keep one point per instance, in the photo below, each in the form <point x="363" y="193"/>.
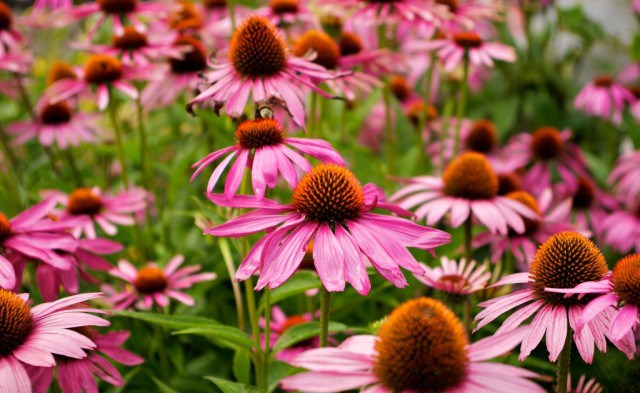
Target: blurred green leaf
<point x="164" y="388"/>
<point x="221" y="332"/>
<point x="231" y="387"/>
<point x="277" y="371"/>
<point x="242" y="366"/>
<point x="297" y="284"/>
<point x="169" y="321"/>
<point x="304" y="331"/>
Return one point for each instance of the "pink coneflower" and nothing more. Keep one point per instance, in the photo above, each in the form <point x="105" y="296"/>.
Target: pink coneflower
<point x="330" y="208"/>
<point x="56" y="123"/>
<point x="622" y="228"/>
<point x="286" y="13"/>
<point x="551" y="218"/>
<point x="117" y="10"/>
<point x="456" y="278"/>
<point x="31" y="336"/>
<point x="468" y="188"/>
<point x="78" y="375"/>
<point x="182" y="74"/>
<point x="467" y="15"/>
<point x="546" y="148"/>
<point x="616" y="291"/>
<point x="33" y="235"/>
<point x="259" y="63"/>
<point x="603" y="97"/>
<point x="10" y="39"/>
<point x="563" y="261"/>
<point x="262" y="146"/>
<point x="382" y="11"/>
<point x="452" y="50"/>
<point x="635" y="6"/>
<point x="626" y="177"/>
<point x="89" y="205"/>
<point x="585" y="386"/>
<point x="152" y="284"/>
<point x="421" y="346"/>
<point x="280" y="322"/>
<point x="101" y="72"/>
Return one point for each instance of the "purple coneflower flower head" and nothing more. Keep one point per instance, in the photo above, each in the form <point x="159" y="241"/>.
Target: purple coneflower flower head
<point x="626" y="177"/>
<point x="280" y="323"/>
<point x="117" y="10"/>
<point x="421" y="345"/>
<point x="604" y="98"/>
<point x="622" y="228"/>
<point x="467" y="14"/>
<point x="468" y="188"/>
<point x="79" y="375"/>
<point x="151" y="284"/>
<point x="289" y="14"/>
<point x="332" y="209"/>
<point x="563" y="261"/>
<point x="33" y="235"/>
<point x="259" y="63"/>
<point x="31" y="336"/>
<point x="375" y="12"/>
<point x="10" y="39"/>
<point x="584" y="385"/>
<point x="90" y="205"/>
<point x="455" y="278"/>
<point x="551" y="218"/>
<point x="262" y="147"/>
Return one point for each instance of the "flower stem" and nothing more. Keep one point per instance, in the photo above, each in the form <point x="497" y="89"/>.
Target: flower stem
<point x="267" y="334"/>
<point x="25" y="97"/>
<point x="563" y="364"/>
<point x="74" y="167"/>
<point x="425" y="117"/>
<point x="468" y="229"/>
<point x="255" y="330"/>
<point x="444" y="132"/>
<point x="325" y="309"/>
<point x="228" y="261"/>
<point x="116" y="127"/>
<point x="464" y="91"/>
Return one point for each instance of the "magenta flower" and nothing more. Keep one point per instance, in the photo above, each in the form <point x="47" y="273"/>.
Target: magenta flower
<point x="452" y="50"/>
<point x="285" y="13"/>
<point x="626" y="177"/>
<point x="31" y="336"/>
<point x="563" y="261"/>
<point x="468" y="188"/>
<point x="152" y="284"/>
<point x="551" y="218"/>
<point x="616" y="293"/>
<point x="89" y="205"/>
<point x="622" y="229"/>
<point x="604" y="98"/>
<point x="259" y="63"/>
<point x="117" y="10"/>
<point x="455" y="278"/>
<point x="396" y="360"/>
<point x="33" y="235"/>
<point x="56" y="123"/>
<point x="280" y="322"/>
<point x="416" y="12"/>
<point x="78" y="375"/>
<point x="330" y="208"/>
<point x="10" y="39"/>
<point x="468" y="15"/>
<point x="262" y="146"/>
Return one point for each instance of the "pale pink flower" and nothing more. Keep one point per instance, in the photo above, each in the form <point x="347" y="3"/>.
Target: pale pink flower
<point x="330" y="208"/>
<point x="622" y="228"/>
<point x="626" y="177"/>
<point x="635" y="6"/>
<point x="151" y="284"/>
<point x="31" y="336"/>
<point x="469" y="14"/>
<point x="456" y="278"/>
<point x="288" y="14"/>
<point x="117" y="10"/>
<point x="605" y="98"/>
<point x="411" y="12"/>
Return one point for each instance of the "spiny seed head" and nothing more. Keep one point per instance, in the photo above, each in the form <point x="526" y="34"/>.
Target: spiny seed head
<point x="16" y="322"/>
<point x="418" y="109"/>
<point x="326" y="50"/>
<point x="130" y="39"/>
<point x="328" y="193"/>
<point x="102" y="68"/>
<point x="482" y="136"/>
<point x="194" y="60"/>
<point x="470" y="176"/>
<point x="626" y="279"/>
<point x="530" y="225"/>
<point x="150" y="280"/>
<point x="350" y="43"/>
<point x="603" y="81"/>
<point x="59" y="71"/>
<point x="400" y="88"/>
<point x="185" y="17"/>
<point x="585" y="194"/>
<point x="421" y="348"/>
<point x="5" y="227"/>
<point x="565" y="260"/>
<point x="284" y="6"/>
<point x="508" y="182"/>
<point x="467" y="39"/>
<point x="117" y="6"/>
<point x="58" y="113"/>
<point x="6" y="16"/>
<point x="257" y="48"/>
<point x="253" y="134"/>
<point x="84" y="201"/>
<point x="547" y="143"/>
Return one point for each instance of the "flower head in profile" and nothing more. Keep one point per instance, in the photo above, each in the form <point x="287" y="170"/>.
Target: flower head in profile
<point x="626" y="177"/>
<point x="152" y="284"/>
<point x="421" y="345"/>
<point x="259" y="64"/>
<point x="563" y="261"/>
<point x="455" y="278"/>
<point x="332" y="209"/>
<point x="262" y="146"/>
<point x="31" y="336"/>
<point x="605" y="98"/>
<point x="468" y="188"/>
<point x="79" y="375"/>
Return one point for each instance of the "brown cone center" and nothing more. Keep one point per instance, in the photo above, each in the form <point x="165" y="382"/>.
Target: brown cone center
<point x="327" y="52"/>
<point x="150" y="280"/>
<point x="16" y="322"/>
<point x="547" y="143"/>
<point x="257" y="48"/>
<point x="102" y="68"/>
<point x="84" y="201"/>
<point x="470" y="176"/>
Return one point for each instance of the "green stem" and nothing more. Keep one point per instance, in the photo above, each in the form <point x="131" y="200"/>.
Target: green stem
<point x="563" y="364"/>
<point x="267" y="335"/>
<point x="424" y="117"/>
<point x="116" y="127"/>
<point x="255" y="329"/>
<point x="444" y="132"/>
<point x="232" y="14"/>
<point x="144" y="156"/>
<point x="468" y="227"/>
<point x="237" y="294"/>
<point x="464" y="91"/>
<point x="25" y="97"/>
<point x="325" y="309"/>
<point x="311" y="123"/>
<point x="389" y="136"/>
<point x="68" y="154"/>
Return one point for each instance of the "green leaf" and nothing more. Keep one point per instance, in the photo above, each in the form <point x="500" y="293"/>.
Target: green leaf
<point x="635" y="48"/>
<point x="231" y="387"/>
<point x="277" y="371"/>
<point x="223" y="333"/>
<point x="242" y="366"/>
<point x="169" y="321"/>
<point x="297" y="284"/>
<point x="304" y="331"/>
<point x="164" y="388"/>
